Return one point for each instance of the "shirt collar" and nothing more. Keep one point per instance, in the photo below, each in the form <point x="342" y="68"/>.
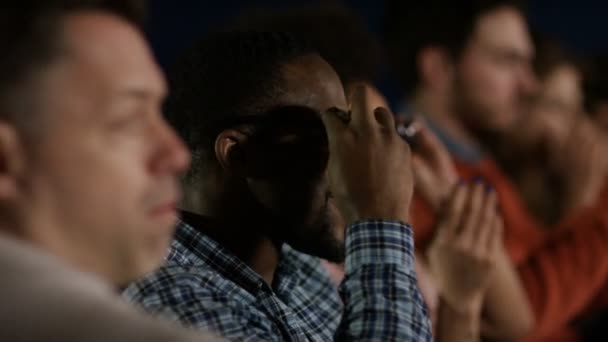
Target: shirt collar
<point x="193" y="248"/>
<point x="462" y="151"/>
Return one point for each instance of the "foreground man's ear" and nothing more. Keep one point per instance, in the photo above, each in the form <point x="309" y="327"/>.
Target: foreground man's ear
<point x="12" y="161"/>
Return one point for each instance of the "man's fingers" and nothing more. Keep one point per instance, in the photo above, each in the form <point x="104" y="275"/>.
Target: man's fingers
<point x="455" y="208"/>
<point x="429" y="144"/>
<point x="494" y="241"/>
<point x="423" y="175"/>
<point x="427" y="140"/>
<point x="362" y="118"/>
<point x="486" y="220"/>
<point x="385" y="119"/>
<point x="424" y="180"/>
<point x="472" y="213"/>
<point x="336" y="123"/>
<point x="432" y="149"/>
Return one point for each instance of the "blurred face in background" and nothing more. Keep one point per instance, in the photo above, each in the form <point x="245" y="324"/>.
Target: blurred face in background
<point x="557" y="106"/>
<point x="98" y="185"/>
<point x="552" y="113"/>
<point x="493" y="76"/>
<point x="600" y="115"/>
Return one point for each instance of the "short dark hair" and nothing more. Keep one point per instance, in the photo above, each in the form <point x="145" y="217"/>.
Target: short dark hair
<point x="30" y="37"/>
<point x="550" y="55"/>
<point x="595" y="84"/>
<point x="411" y="26"/>
<point x="338" y="33"/>
<point x="228" y="74"/>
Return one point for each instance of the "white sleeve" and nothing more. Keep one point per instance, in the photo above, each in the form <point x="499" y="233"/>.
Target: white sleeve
<point x="44" y="300"/>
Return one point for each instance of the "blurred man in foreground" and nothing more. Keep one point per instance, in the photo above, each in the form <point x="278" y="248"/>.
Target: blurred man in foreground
<point x="88" y="171"/>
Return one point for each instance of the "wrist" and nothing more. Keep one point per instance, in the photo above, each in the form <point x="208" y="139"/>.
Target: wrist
<point x="404" y="219"/>
<point x="379" y="242"/>
<point x="383" y="214"/>
<point x="457" y="325"/>
<point x="352" y="214"/>
<point x="465" y="308"/>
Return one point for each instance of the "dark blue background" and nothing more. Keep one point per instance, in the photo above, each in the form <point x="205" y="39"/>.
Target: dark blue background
<point x="173" y="25"/>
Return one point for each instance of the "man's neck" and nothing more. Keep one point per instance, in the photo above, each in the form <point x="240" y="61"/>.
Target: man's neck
<point x="54" y="239"/>
<point x="243" y="239"/>
<point x="440" y="112"/>
<point x="265" y="260"/>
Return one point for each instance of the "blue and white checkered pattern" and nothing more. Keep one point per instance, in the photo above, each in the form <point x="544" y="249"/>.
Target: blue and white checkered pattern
<point x="203" y="285"/>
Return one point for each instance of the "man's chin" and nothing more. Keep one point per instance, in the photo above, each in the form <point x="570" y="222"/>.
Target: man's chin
<point x="333" y="254"/>
<point x="336" y="257"/>
<point x="148" y="263"/>
<point x="324" y="245"/>
<point x="318" y="237"/>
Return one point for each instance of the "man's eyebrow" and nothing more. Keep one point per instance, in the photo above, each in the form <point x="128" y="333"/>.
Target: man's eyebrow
<point x="510" y="52"/>
<point x="138" y="94"/>
<point x="142" y="93"/>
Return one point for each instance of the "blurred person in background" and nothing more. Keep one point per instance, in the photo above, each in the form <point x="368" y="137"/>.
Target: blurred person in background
<point x="342" y="38"/>
<point x="469" y="71"/>
<point x="554" y="154"/>
<point x="595" y="87"/>
<point x="273" y="162"/>
<point x="336" y="31"/>
<point x="88" y="172"/>
<point x="591" y="325"/>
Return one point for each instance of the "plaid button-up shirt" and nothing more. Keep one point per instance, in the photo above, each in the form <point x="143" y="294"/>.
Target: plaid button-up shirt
<point x="205" y="286"/>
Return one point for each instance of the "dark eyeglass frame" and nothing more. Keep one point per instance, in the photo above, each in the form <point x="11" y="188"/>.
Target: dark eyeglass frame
<point x="308" y="117"/>
<point x="267" y="125"/>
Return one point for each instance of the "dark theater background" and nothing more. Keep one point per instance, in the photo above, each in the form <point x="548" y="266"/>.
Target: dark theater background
<point x="174" y="25"/>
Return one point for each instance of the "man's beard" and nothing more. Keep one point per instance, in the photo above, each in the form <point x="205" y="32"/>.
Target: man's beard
<point x="467" y="110"/>
<point x="317" y="238"/>
<point x="485" y="119"/>
<point x="474" y="117"/>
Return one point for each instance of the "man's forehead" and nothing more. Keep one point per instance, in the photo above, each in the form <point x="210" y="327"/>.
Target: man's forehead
<point x="504" y="28"/>
<point x="312" y="82"/>
<point x="107" y="48"/>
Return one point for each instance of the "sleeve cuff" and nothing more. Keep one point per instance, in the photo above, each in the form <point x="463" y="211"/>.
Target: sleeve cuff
<point x="379" y="242"/>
